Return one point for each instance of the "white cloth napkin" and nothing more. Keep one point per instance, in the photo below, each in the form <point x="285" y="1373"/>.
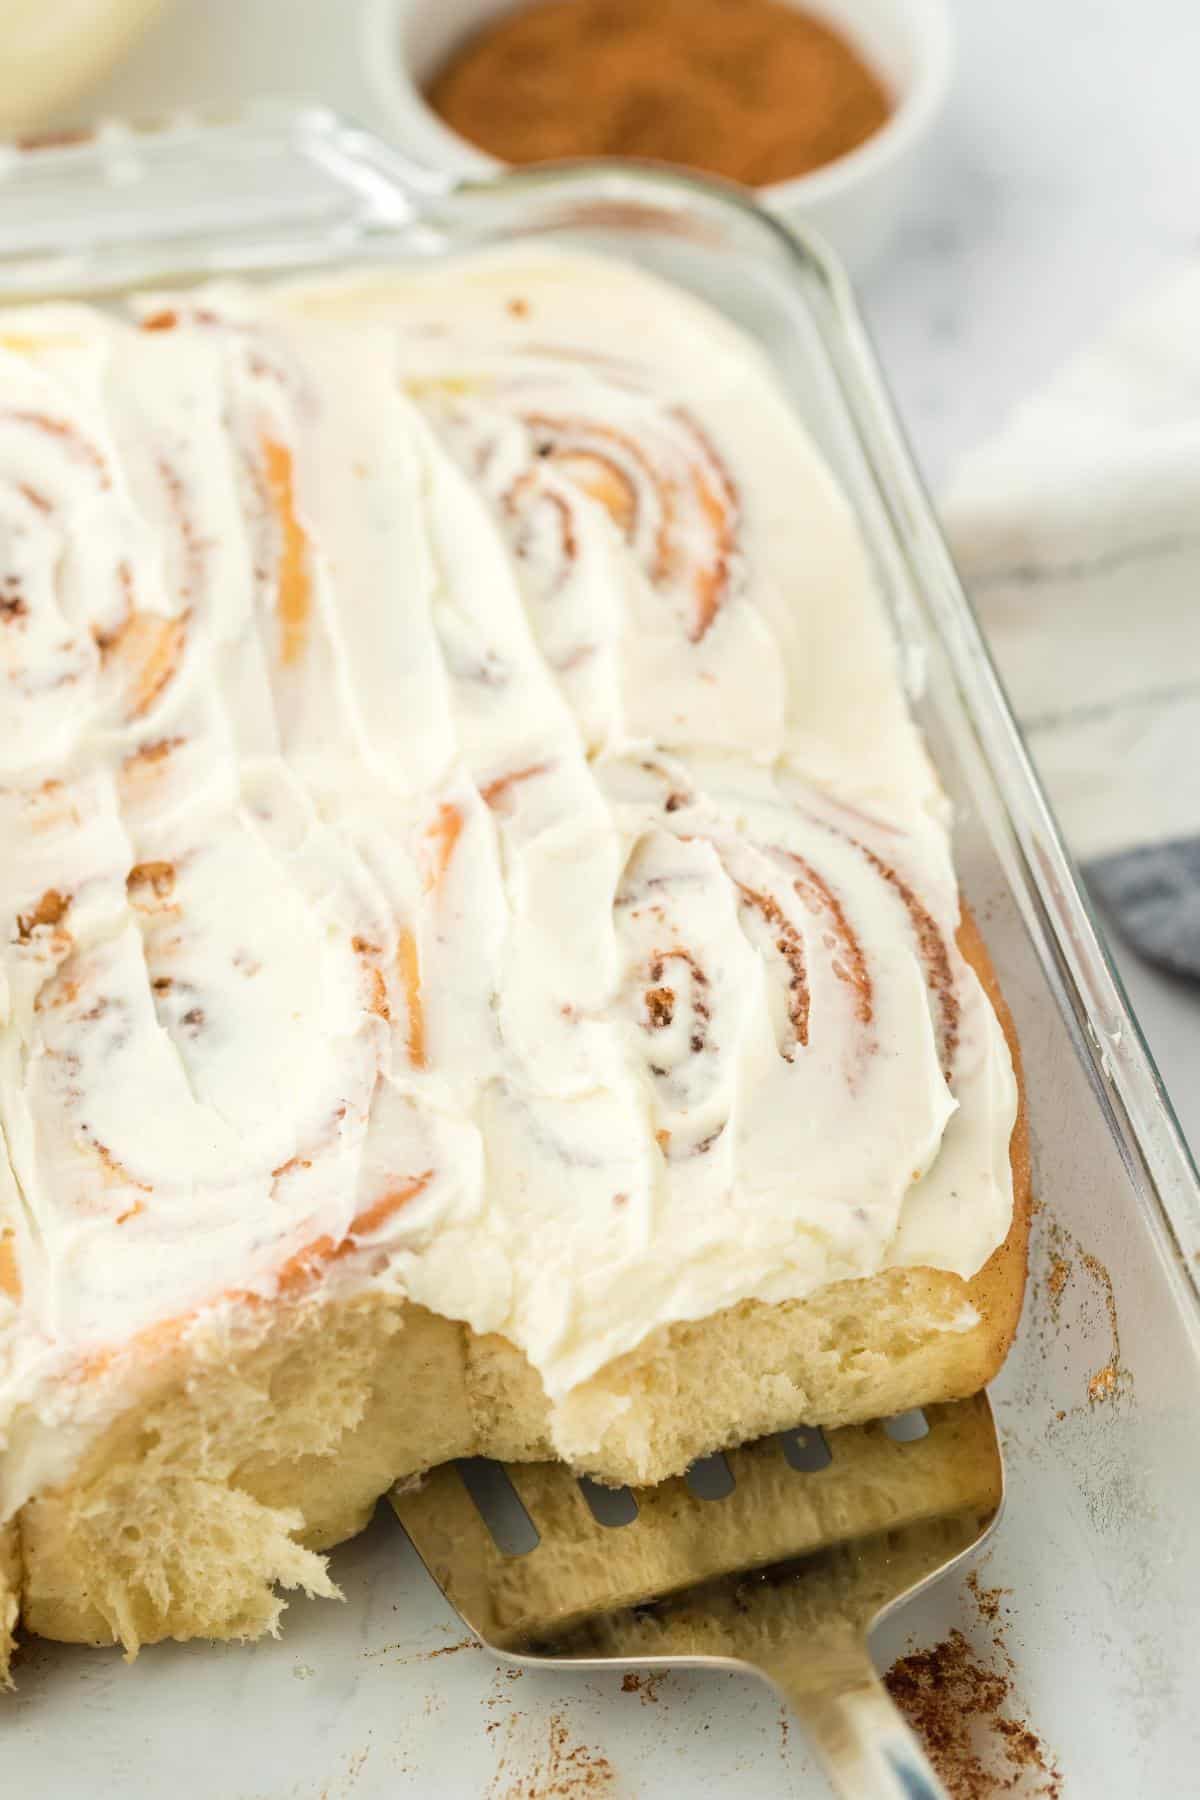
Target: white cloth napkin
<point x="1077" y="532"/>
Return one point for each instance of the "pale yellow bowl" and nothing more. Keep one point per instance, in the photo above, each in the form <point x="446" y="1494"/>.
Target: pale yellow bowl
<point x="53" y="51"/>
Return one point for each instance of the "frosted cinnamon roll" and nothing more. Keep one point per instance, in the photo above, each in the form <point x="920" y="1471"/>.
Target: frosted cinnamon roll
<point x="464" y="841"/>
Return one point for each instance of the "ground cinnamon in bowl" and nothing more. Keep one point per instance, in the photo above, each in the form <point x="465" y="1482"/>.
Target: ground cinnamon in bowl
<point x="758" y="91"/>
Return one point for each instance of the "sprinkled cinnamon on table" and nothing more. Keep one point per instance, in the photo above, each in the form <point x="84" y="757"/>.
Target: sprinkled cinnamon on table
<point x="955" y="1701"/>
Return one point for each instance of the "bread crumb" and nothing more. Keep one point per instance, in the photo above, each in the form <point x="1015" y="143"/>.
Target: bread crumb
<point x="1108" y="1382"/>
<point x="1103" y="1384"/>
<point x="644" y="1685"/>
<point x="1066" y="1255"/>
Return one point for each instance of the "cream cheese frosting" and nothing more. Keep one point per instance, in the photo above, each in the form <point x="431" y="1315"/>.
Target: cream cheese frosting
<point x="460" y="829"/>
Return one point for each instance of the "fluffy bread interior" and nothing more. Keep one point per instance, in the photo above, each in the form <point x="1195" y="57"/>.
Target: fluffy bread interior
<point x="242" y="1462"/>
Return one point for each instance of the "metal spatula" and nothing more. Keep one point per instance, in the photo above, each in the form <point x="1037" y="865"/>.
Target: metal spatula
<point x="802" y="1542"/>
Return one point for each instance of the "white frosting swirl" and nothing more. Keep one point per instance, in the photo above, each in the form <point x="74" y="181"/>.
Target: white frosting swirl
<point x="461" y="829"/>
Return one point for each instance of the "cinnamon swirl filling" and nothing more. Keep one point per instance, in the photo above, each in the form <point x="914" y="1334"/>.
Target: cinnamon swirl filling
<point x="656" y="480"/>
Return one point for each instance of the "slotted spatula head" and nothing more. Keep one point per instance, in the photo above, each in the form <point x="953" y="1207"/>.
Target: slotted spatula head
<point x="785" y="1572"/>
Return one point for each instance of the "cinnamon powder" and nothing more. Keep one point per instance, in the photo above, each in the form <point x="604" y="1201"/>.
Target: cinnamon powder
<point x="754" y="90"/>
<point x="960" y="1701"/>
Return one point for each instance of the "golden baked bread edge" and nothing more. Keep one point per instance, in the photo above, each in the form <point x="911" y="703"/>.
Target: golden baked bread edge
<point x="235" y="1468"/>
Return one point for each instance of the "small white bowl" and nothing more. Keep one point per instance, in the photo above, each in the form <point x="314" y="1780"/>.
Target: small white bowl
<point x="852" y="202"/>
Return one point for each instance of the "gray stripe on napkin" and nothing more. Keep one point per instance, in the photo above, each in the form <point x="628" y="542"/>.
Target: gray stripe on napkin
<point x="1153" y="895"/>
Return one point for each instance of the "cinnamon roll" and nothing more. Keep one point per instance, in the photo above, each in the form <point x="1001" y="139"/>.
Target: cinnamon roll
<point x="470" y="880"/>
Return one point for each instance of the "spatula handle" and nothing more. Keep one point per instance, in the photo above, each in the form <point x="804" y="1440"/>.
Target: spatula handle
<point x="868" y="1751"/>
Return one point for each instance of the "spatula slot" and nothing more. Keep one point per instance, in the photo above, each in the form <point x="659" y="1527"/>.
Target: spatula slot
<point x="805" y="1449"/>
<point x="907" y="1427"/>
<point x="608" y="1506"/>
<point x="499" y="1505"/>
<point x="711" y="1478"/>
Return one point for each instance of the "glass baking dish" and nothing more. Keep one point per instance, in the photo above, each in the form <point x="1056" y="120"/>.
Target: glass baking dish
<point x="1099" y="1405"/>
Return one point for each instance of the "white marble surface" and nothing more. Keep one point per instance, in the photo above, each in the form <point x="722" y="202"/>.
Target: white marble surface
<point x="1063" y="182"/>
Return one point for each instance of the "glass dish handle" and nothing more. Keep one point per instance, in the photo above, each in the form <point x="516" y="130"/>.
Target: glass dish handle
<point x="270" y="187"/>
